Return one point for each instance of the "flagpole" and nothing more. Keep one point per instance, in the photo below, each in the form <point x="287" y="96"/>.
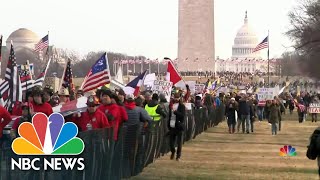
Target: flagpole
<point x="27" y="98"/>
<point x="0" y="53"/>
<point x="268" y="61"/>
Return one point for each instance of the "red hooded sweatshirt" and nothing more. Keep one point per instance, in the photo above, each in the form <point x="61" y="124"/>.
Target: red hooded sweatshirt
<point x="116" y="115"/>
<point x="97" y="119"/>
<point x="44" y="108"/>
<point x="5" y="115"/>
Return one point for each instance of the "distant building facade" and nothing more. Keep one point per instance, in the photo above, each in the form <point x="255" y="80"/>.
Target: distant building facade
<point x="243" y="58"/>
<point x="22" y="38"/>
<point x="26" y="39"/>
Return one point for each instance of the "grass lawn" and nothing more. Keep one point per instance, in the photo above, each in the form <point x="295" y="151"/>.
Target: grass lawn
<point x="216" y="154"/>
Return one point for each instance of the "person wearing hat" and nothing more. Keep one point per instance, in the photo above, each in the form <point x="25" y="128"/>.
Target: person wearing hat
<point x="231" y="114"/>
<point x="138" y="117"/>
<point x="79" y="94"/>
<point x="38" y="104"/>
<point x="47" y="93"/>
<point x="154" y="110"/>
<point x="29" y="96"/>
<point x="121" y="97"/>
<point x="112" y="111"/>
<point x="64" y="95"/>
<point x="177" y="112"/>
<point x="6" y="118"/>
<point x="93" y="118"/>
<point x="135" y="113"/>
<point x="147" y="98"/>
<point x="198" y="101"/>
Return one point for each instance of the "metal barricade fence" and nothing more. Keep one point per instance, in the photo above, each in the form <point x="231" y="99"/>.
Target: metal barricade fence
<point x="108" y="159"/>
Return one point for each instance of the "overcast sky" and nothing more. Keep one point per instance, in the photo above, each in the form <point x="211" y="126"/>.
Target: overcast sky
<point x="140" y="27"/>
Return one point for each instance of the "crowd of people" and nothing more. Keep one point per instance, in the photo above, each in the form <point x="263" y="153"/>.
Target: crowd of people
<point x="105" y="109"/>
<point x="111" y="109"/>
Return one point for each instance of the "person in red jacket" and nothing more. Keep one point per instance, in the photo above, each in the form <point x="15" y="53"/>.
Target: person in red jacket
<point x="5" y="118"/>
<point x="38" y="104"/>
<point x="17" y="109"/>
<point x="25" y="117"/>
<point x="92" y="118"/>
<point x="112" y="111"/>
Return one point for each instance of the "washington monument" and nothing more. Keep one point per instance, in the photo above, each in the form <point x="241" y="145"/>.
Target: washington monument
<point x="196" y="48"/>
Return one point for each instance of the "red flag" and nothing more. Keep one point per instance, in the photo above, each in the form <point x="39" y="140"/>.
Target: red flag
<point x="172" y="74"/>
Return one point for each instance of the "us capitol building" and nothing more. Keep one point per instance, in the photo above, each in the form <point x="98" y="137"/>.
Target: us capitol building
<point x="243" y="59"/>
<point x="25" y="39"/>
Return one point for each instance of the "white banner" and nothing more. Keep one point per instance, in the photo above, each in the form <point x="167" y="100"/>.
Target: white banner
<point x="149" y="79"/>
<point x="163" y="87"/>
<point x="199" y="88"/>
<point x="191" y="84"/>
<point x="267" y="93"/>
<point x="314" y="108"/>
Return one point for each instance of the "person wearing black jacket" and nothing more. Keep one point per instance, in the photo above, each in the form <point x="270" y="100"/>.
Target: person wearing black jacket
<point x="177" y="112"/>
<point x="245" y="112"/>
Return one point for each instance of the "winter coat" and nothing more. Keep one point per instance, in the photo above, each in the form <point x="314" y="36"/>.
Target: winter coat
<point x="159" y="109"/>
<point x="267" y="110"/>
<point x="136" y="114"/>
<point x="230" y="110"/>
<point x="275" y="114"/>
<point x="208" y="101"/>
<point x="244" y="107"/>
<point x="291" y="104"/>
<point x="180" y="115"/>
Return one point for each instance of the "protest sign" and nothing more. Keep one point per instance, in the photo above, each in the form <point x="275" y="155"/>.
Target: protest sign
<point x="267" y="93"/>
<point x="163" y="87"/>
<point x="314" y="108"/>
<point x="199" y="88"/>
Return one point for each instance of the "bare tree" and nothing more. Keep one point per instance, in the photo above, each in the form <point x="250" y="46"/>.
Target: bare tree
<point x="305" y="25"/>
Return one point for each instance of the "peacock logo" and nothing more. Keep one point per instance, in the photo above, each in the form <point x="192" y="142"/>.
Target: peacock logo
<point x="48" y="136"/>
<point x="288" y="150"/>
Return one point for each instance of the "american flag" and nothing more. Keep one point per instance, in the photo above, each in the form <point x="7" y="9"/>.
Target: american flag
<point x="42" y="44"/>
<point x="98" y="75"/>
<point x="68" y="78"/>
<point x="25" y="77"/>
<point x="264" y="44"/>
<point x="4" y="90"/>
<point x="39" y="81"/>
<point x="13" y="78"/>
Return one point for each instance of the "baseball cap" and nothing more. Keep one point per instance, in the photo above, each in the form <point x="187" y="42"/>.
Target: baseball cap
<point x="129" y="96"/>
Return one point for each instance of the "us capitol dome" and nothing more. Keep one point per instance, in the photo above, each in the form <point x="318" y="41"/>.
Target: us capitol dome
<point x="245" y="41"/>
<point x="243" y="59"/>
<point x="22" y="38"/>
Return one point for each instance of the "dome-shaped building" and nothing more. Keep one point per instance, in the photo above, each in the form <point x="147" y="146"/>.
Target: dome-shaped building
<point x="245" y="41"/>
<point x="243" y="59"/>
<point x="23" y="38"/>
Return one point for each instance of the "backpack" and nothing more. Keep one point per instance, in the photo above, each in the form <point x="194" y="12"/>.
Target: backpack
<point x="314" y="147"/>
